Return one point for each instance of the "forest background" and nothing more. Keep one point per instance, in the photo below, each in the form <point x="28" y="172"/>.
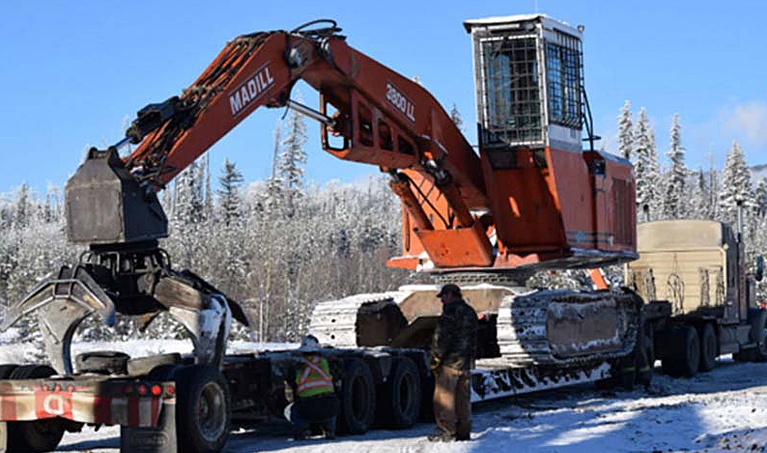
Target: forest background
<point x="280" y="245"/>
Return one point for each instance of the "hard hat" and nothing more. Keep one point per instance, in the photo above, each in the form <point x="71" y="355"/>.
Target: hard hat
<point x="449" y="288"/>
<point x="309" y="344"/>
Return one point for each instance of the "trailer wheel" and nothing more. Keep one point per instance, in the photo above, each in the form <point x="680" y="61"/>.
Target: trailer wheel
<point x="684" y="359"/>
<point x="400" y="402"/>
<point x="708" y="347"/>
<point x="203" y="409"/>
<point x="358" y="399"/>
<point x="37" y="435"/>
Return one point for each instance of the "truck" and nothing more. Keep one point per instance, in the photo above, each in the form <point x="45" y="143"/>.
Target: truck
<point x="701" y="299"/>
<point x="531" y="198"/>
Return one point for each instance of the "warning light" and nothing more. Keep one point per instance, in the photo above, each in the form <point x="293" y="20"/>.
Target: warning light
<point x="156" y="390"/>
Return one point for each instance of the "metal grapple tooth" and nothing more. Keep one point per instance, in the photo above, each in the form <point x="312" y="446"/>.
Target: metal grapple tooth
<point x="62" y="300"/>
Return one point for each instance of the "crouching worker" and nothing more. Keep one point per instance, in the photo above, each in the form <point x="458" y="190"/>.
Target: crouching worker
<point x="314" y="398"/>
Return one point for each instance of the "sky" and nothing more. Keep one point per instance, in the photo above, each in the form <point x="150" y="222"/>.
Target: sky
<point x="73" y="73"/>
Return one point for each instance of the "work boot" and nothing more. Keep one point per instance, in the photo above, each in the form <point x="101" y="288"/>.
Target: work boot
<point x="330" y="435"/>
<point x="302" y="435"/>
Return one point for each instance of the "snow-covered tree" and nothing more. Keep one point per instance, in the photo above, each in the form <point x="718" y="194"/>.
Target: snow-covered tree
<point x="290" y="164"/>
<point x="231" y="181"/>
<point x="674" y="203"/>
<point x="646" y="169"/>
<point x="760" y="197"/>
<point x="700" y="202"/>
<point x="736" y="184"/>
<point x="625" y="132"/>
<point x="23" y="208"/>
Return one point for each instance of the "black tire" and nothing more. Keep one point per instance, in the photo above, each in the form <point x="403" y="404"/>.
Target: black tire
<point x="427" y="399"/>
<point x="645" y="363"/>
<point x="203" y="409"/>
<point x="103" y="362"/>
<point x="759" y="354"/>
<point x="628" y="372"/>
<point x="683" y="359"/>
<point x="649" y="339"/>
<point x="400" y="402"/>
<point x="6" y="370"/>
<point x="357" y="398"/>
<point x="746" y="355"/>
<point x="37" y="435"/>
<point x="709" y="347"/>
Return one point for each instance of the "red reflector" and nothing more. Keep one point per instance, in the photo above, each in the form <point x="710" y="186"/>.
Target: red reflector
<point x="171" y="389"/>
<point x="142" y="389"/>
<point x="156" y="390"/>
<point x="57" y="388"/>
<point x="70" y="388"/>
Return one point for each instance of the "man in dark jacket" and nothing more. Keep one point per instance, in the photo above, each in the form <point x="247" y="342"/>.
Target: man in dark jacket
<point x="453" y="350"/>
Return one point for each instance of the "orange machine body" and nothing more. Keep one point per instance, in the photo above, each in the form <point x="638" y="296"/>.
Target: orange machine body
<point x="517" y="203"/>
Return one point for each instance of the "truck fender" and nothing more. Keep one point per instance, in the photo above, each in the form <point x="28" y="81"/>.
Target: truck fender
<point x="757" y="318"/>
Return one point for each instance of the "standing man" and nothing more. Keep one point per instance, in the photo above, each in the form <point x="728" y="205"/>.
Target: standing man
<point x="314" y="398"/>
<point x="453" y="350"/>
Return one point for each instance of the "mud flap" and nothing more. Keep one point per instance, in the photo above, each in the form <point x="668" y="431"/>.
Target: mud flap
<point x="3" y="437"/>
<point x="151" y="440"/>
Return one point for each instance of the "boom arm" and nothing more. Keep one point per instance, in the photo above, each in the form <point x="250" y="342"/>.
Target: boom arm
<point x="379" y="116"/>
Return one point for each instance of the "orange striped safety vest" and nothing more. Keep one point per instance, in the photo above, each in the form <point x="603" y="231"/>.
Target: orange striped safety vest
<point x="315" y="378"/>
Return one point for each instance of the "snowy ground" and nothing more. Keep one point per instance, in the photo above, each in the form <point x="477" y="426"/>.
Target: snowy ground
<point x="723" y="410"/>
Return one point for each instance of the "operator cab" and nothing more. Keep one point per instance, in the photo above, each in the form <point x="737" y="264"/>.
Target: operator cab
<point x="554" y="203"/>
<point x="528" y="72"/>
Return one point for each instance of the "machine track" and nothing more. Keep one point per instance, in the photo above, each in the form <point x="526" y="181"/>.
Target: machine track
<point x="533" y="327"/>
<point x="559" y="327"/>
<point x="334" y="322"/>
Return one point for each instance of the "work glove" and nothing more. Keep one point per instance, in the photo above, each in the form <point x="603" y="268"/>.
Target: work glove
<point x="435" y="363"/>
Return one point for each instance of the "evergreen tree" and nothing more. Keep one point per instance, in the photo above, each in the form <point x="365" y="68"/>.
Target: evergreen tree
<point x="290" y="163"/>
<point x="208" y="192"/>
<point x="760" y="197"/>
<point x="701" y="198"/>
<point x="455" y="115"/>
<point x="272" y="197"/>
<point x="189" y="195"/>
<point x="736" y="185"/>
<point x="231" y="181"/>
<point x="625" y="132"/>
<point x="646" y="169"/>
<point x="674" y="205"/>
<point x="23" y="207"/>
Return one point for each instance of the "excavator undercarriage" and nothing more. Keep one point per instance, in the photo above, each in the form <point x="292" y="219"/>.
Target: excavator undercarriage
<point x="517" y="325"/>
